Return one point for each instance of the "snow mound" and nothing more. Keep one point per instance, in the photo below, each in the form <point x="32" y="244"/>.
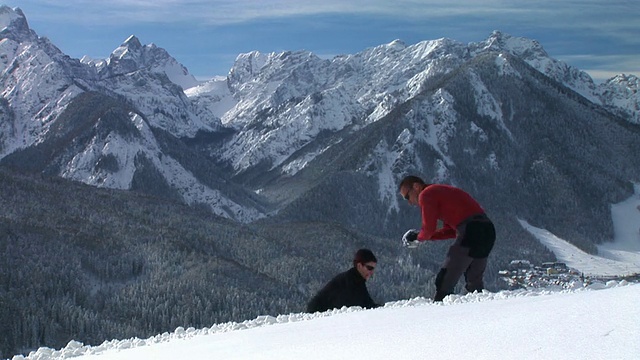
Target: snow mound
<point x="76" y="349"/>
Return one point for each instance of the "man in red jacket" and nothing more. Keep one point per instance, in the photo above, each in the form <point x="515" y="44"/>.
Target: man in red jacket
<point x="463" y="219"/>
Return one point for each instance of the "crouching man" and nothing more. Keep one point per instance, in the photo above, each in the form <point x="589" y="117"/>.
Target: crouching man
<point x="348" y="288"/>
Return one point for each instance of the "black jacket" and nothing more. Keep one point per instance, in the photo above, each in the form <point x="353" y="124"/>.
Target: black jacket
<point x="345" y="289"/>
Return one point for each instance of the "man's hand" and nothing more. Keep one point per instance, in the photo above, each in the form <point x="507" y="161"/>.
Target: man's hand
<point x="410" y="239"/>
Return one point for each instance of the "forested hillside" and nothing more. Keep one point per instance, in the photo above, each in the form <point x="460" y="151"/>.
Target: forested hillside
<point x="94" y="264"/>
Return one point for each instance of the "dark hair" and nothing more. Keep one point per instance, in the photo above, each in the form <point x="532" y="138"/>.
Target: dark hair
<point x="363" y="256"/>
<point x="408" y="181"/>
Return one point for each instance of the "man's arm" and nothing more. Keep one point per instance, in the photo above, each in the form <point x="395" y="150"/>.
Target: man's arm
<point x="447" y="232"/>
<point x="328" y="297"/>
<point x="362" y="298"/>
<point x="429" y="210"/>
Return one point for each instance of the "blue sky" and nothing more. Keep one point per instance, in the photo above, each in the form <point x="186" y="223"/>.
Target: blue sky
<point x="600" y="37"/>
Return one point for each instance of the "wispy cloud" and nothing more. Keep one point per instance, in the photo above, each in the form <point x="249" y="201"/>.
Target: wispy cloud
<point x="614" y="19"/>
<point x="233" y="11"/>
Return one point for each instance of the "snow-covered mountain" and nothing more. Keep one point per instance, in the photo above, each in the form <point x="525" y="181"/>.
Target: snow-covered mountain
<point x="38" y="82"/>
<point x="620" y="94"/>
<point x="153" y="81"/>
<point x="295" y="96"/>
<point x="132" y="55"/>
<point x="492" y="116"/>
<point x="46" y="94"/>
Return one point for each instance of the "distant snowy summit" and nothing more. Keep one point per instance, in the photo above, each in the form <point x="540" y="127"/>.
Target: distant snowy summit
<point x="13" y="24"/>
<point x="132" y="56"/>
<point x="621" y="95"/>
<point x="279" y="114"/>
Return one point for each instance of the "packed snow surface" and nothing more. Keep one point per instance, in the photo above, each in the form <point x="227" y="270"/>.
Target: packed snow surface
<point x="601" y="321"/>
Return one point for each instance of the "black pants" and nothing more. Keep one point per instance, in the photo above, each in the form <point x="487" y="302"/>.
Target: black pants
<point x="468" y="256"/>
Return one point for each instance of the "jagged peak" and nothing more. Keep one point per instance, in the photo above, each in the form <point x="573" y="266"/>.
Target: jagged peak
<point x="397" y="44"/>
<point x="631" y="81"/>
<point x="520" y="46"/>
<point x="132" y="42"/>
<point x="251" y="58"/>
<point x="498" y="35"/>
<point x="438" y="43"/>
<point x="13" y="21"/>
<point x="131" y="55"/>
<point x="251" y="64"/>
<point x="248" y="55"/>
<point x="10" y="16"/>
<point x="130" y="47"/>
<point x="98" y="63"/>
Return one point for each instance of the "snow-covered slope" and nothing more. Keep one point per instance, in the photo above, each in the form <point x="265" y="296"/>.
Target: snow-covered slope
<point x="313" y="141"/>
<point x="533" y="53"/>
<point x="604" y="326"/>
<point x="125" y="152"/>
<point x="295" y="96"/>
<point x="214" y="94"/>
<point x="36" y="82"/>
<point x="619" y="257"/>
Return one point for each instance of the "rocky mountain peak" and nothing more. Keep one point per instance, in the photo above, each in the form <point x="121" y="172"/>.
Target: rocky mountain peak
<point x="246" y="65"/>
<point x="130" y="49"/>
<point x="132" y="56"/>
<point x="620" y="94"/>
<point x="632" y="82"/>
<point x="532" y="52"/>
<point x="13" y="24"/>
<point x="132" y="42"/>
<point x="397" y="44"/>
<point x="527" y="49"/>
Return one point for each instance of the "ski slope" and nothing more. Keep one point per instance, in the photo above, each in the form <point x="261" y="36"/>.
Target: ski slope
<point x="619" y="257"/>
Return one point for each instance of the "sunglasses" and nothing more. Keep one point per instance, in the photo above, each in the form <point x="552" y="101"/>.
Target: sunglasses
<point x="370" y="268"/>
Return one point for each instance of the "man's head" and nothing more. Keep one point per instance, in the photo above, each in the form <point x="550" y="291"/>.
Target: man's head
<point x="365" y="262"/>
<point x="410" y="187"/>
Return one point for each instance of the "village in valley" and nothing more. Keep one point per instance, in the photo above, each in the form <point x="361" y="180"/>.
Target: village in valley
<point x="522" y="274"/>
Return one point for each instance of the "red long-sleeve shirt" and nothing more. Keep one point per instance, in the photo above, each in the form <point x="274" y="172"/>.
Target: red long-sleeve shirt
<point x="447" y="203"/>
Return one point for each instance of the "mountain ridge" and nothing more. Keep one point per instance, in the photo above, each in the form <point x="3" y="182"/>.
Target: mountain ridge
<point x="285" y="110"/>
